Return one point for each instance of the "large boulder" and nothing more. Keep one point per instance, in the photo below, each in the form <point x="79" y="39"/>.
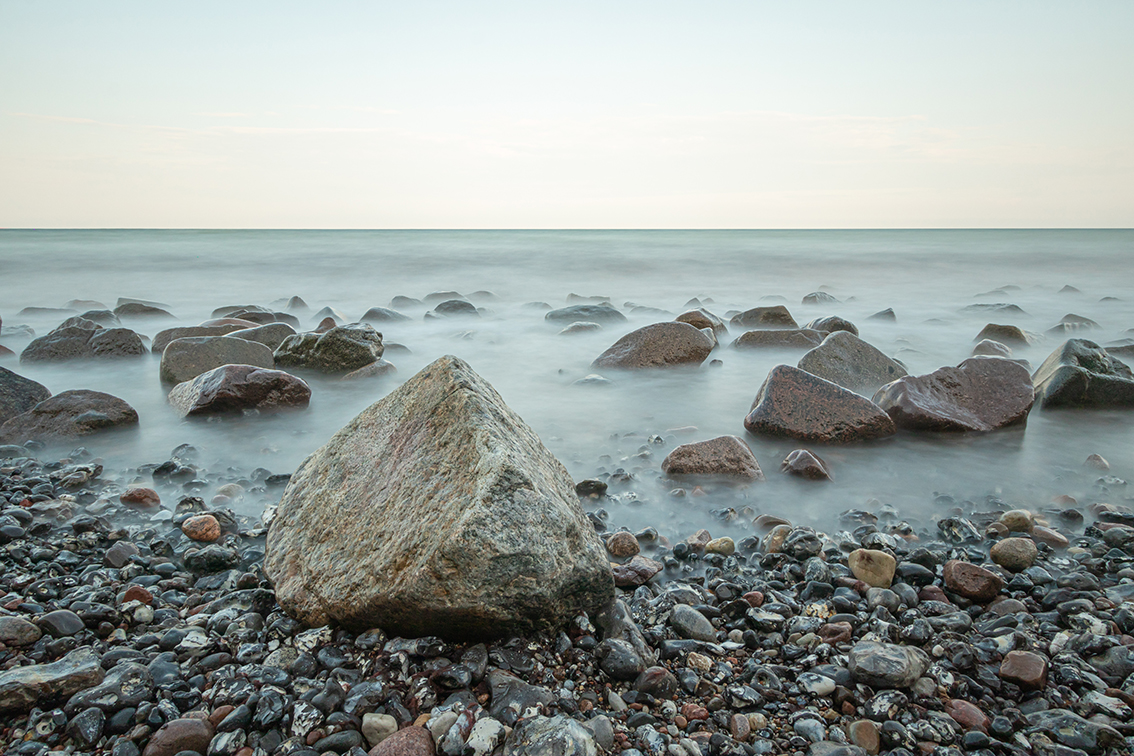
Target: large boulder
<point x="1082" y="374"/>
<point x="980" y="394"/>
<point x="21" y="688"/>
<point x="590" y="313"/>
<point x="436" y="511"/>
<point x="270" y="335"/>
<point x="141" y="310"/>
<point x="341" y="349"/>
<point x="186" y="358"/>
<point x="18" y="394"/>
<point x="81" y="339"/>
<point x="847" y="360"/>
<point x="725" y="455"/>
<point x="793" y="403"/>
<point x="776" y="316"/>
<point x="885" y="665"/>
<point x="784" y="338"/>
<point x="163" y="338"/>
<point x="657" y="345"/>
<point x="1006" y="334"/>
<point x="701" y="319"/>
<point x="68" y="415"/>
<point x="234" y="388"/>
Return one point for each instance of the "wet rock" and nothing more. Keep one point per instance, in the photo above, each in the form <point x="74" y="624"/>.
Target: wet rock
<point x="850" y="362"/>
<point x="873" y="567"/>
<point x="126" y="684"/>
<point x="831" y="324"/>
<point x="885" y="665"/>
<point x="1073" y="731"/>
<point x="188" y="357"/>
<point x="990" y="348"/>
<point x="590" y="313"/>
<point x="655" y="346"/>
<point x="506" y="549"/>
<point x="580" y="327"/>
<point x="805" y="464"/>
<point x="141" y="310"/>
<point x="383" y="315"/>
<point x="799" y="338"/>
<point x="776" y="316"/>
<point x="1081" y="374"/>
<point x="1014" y="554"/>
<point x="178" y="735"/>
<point x="795" y="404"/>
<point x="24" y="687"/>
<point x="270" y="335"/>
<point x="140" y="497"/>
<point x="971" y="581"/>
<point x="980" y="394"/>
<point x="18" y="394"/>
<point x="623" y="544"/>
<point x="341" y="349"/>
<point x="512" y="698"/>
<point x="83" y="342"/>
<point x="690" y="623"/>
<point x="702" y="318"/>
<point x="235" y="388"/>
<point x="724" y="455"/>
<point x="60" y="623"/>
<point x="163" y="338"/>
<point x="203" y="527"/>
<point x="540" y="736"/>
<point x="68" y="415"/>
<point x="637" y="571"/>
<point x="968" y="715"/>
<point x="619" y="660"/>
<point x="17" y="631"/>
<point x="1005" y="334"/>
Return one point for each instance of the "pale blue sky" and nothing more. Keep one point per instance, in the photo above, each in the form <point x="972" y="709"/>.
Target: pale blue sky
<point x="566" y="115"/>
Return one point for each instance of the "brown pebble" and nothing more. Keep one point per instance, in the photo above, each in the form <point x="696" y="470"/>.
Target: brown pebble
<point x="220" y="713"/>
<point x="968" y="715"/>
<point x="140" y="497"/>
<point x="1025" y="669"/>
<point x="137" y="593"/>
<point x="738" y="727"/>
<point x="623" y="544"/>
<point x="202" y="527"/>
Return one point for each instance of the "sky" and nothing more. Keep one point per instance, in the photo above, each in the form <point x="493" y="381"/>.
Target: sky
<point x="566" y="115"/>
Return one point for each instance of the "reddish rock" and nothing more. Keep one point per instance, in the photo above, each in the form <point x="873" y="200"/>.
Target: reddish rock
<point x="739" y="727"/>
<point x="657" y="346"/>
<point x="202" y="527"/>
<point x="933" y="593"/>
<point x="805" y="464"/>
<point x="6" y="352"/>
<point x="754" y="598"/>
<point x="694" y="712"/>
<point x="623" y="544"/>
<point x="792" y="403"/>
<point x="635" y="572"/>
<point x="1025" y="669"/>
<point x="980" y="394"/>
<point x="235" y="388"/>
<point x="702" y="318"/>
<point x="137" y="593"/>
<point x="836" y="632"/>
<point x="411" y="741"/>
<point x="972" y="581"/>
<point x="776" y="316"/>
<point x="968" y="715"/>
<point x="724" y="455"/>
<point x="140" y="497"/>
<point x="865" y="735"/>
<point x="326" y="324"/>
<point x="794" y="338"/>
<point x="178" y="735"/>
<point x="1051" y="537"/>
<point x="1005" y="334"/>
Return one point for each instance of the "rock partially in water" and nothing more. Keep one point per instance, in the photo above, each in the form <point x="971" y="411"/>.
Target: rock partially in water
<point x="784" y="338"/>
<point x="188" y="357"/>
<point x="776" y="316"/>
<point x="724" y="455"/>
<point x="981" y="394"/>
<point x="270" y="335"/>
<point x="341" y="349"/>
<point x="590" y="313"/>
<point x="142" y="310"/>
<point x="454" y="308"/>
<point x="1082" y="374"/>
<point x="85" y="340"/>
<point x="436" y="511"/>
<point x="657" y="346"/>
<point x="702" y="318"/>
<point x="68" y="415"/>
<point x="163" y="338"/>
<point x="377" y="369"/>
<point x="792" y="403"/>
<point x="24" y="687"/>
<point x="847" y="360"/>
<point x="990" y="348"/>
<point x="580" y="327"/>
<point x="1071" y="730"/>
<point x="1006" y="334"/>
<point x="18" y="394"/>
<point x="831" y="324"/>
<point x="805" y="464"/>
<point x="383" y="315"/>
<point x="235" y="388"/>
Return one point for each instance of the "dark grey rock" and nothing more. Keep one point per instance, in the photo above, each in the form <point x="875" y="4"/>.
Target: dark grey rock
<point x="1081" y="374"/>
<point x="68" y="415"/>
<point x="339" y="350"/>
<point x="18" y="394"/>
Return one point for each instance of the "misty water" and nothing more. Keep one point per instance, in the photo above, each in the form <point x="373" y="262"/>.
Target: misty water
<point x="929" y="278"/>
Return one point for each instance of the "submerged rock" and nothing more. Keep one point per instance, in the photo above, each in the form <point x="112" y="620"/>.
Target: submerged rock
<point x="270" y="335"/>
<point x="831" y="324"/>
<point x="189" y="357"/>
<point x="805" y="464"/>
<point x="702" y="318"/>
<point x="725" y="455"/>
<point x="1005" y="334"/>
<point x="847" y="360"/>
<point x="784" y="338"/>
<point x="340" y="349"/>
<point x="68" y="415"/>
<point x="436" y="511"/>
<point x="85" y="340"/>
<point x="234" y="388"/>
<point x="776" y="316"/>
<point x="589" y="313"/>
<point x="18" y="394"/>
<point x="981" y="394"/>
<point x="163" y="338"/>
<point x="657" y="345"/>
<point x="383" y="315"/>
<point x="793" y="403"/>
<point x="1082" y="374"/>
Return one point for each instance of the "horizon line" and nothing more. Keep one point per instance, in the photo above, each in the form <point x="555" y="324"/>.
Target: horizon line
<point x="430" y="229"/>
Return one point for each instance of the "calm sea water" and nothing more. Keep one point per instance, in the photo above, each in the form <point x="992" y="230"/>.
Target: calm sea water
<point x="927" y="277"/>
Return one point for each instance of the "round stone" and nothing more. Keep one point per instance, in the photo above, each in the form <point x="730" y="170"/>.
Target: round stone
<point x="202" y="528"/>
<point x="1015" y="554"/>
<point x="875" y="568"/>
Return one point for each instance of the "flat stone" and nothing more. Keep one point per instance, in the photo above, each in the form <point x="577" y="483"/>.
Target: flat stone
<point x="1081" y="374"/>
<point x="725" y="455"/>
<point x="776" y="316"/>
<point x="864" y="734"/>
<point x="21" y="688"/>
<point x="163" y="338"/>
<point x="270" y="335"/>
<point x="590" y="313"/>
<point x="1014" y="554"/>
<point x="875" y="568"/>
<point x="126" y="684"/>
<point x="885" y="665"/>
<point x="805" y="464"/>
<point x="69" y="415"/>
<point x="972" y="581"/>
<point x="186" y="358"/>
<point x="792" y="403"/>
<point x="850" y="362"/>
<point x="236" y="388"/>
<point x="657" y="346"/>
<point x="690" y="623"/>
<point x="18" y="394"/>
<point x="1024" y="668"/>
<point x="436" y="511"/>
<point x="637" y="571"/>
<point x="981" y="394"/>
<point x="796" y="338"/>
<point x="1071" y="730"/>
<point x="967" y="714"/>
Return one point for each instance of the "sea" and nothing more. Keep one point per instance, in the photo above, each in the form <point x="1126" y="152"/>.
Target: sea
<point x="940" y="284"/>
